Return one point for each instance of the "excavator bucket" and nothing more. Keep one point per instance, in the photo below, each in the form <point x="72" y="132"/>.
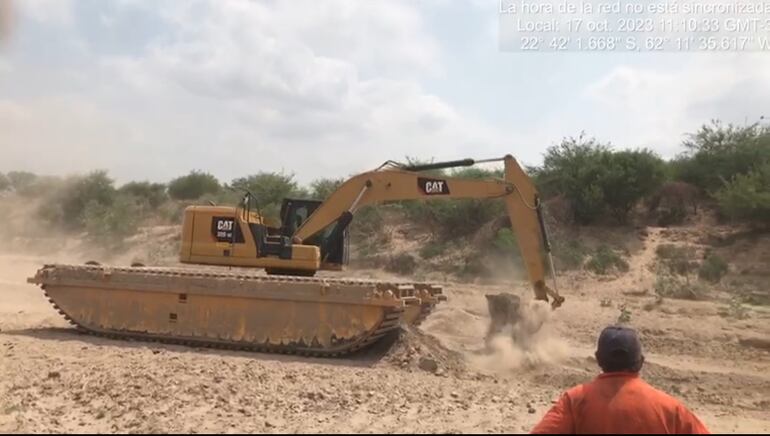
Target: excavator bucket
<point x="298" y="315"/>
<point x="506" y="314"/>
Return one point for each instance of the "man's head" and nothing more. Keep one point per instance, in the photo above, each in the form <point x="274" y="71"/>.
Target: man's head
<point x="619" y="350"/>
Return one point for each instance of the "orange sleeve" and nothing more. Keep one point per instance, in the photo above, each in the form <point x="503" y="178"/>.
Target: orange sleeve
<point x="558" y="420"/>
<point x="689" y="423"/>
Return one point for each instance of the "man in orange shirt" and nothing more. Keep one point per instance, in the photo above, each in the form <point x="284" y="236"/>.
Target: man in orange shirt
<point x="619" y="401"/>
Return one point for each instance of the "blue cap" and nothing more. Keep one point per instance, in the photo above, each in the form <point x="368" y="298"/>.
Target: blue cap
<point x="619" y="349"/>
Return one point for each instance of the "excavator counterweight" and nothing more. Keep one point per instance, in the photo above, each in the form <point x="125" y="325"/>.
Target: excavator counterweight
<point x="218" y="297"/>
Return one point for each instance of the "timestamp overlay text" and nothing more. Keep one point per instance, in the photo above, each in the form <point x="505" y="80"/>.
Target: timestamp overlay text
<point x="635" y="25"/>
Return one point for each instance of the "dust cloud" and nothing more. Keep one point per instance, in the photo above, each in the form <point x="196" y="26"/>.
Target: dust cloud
<point x="528" y="345"/>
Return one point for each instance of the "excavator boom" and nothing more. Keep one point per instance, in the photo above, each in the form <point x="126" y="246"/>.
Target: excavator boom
<point x="410" y="183"/>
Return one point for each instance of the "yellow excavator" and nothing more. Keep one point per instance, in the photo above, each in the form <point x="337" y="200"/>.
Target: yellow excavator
<point x="287" y="309"/>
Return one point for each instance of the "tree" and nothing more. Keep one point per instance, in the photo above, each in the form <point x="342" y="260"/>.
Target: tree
<point x="576" y="168"/>
<point x="630" y="176"/>
<point x="270" y="189"/>
<point x="717" y="153"/>
<point x="747" y="196"/>
<point x="66" y="203"/>
<point x="193" y="186"/>
<point x="95" y="188"/>
<point x="596" y="180"/>
<point x="21" y="180"/>
<point x="321" y="189"/>
<point x="153" y="193"/>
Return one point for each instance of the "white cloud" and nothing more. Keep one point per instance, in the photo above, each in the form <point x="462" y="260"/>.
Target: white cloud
<point x="321" y="89"/>
<point x="57" y="12"/>
<point x="652" y="106"/>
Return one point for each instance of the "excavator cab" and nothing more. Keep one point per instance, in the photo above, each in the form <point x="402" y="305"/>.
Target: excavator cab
<point x="334" y="246"/>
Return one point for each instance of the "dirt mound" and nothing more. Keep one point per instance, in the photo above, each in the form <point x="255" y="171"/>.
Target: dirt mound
<point x="415" y="350"/>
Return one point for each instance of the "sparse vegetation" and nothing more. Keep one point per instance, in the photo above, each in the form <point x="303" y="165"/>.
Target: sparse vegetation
<point x="674" y="202"/>
<point x="735" y="309"/>
<point x="403" y="264"/>
<point x="605" y="260"/>
<point x="473" y="266"/>
<point x="677" y="259"/>
<point x="505" y="242"/>
<point x="671" y="286"/>
<point x="657" y="302"/>
<point x="713" y="269"/>
<point x="569" y="255"/>
<point x="432" y="249"/>
<point x="154" y="194"/>
<point x="625" y="315"/>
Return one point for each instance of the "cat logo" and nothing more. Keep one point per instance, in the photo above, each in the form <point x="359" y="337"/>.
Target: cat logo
<point x="225" y="229"/>
<point x="433" y="186"/>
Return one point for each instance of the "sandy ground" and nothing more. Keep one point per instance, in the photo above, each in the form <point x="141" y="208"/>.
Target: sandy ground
<point x="55" y="380"/>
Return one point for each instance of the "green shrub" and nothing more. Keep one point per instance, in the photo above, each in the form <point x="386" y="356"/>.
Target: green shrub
<point x="672" y="216"/>
<point x="713" y="269"/>
<point x="747" y="196"/>
<point x="631" y="176"/>
<point x="669" y="286"/>
<point x="403" y="264"/>
<point x="153" y="193"/>
<point x="476" y="173"/>
<point x="605" y="260"/>
<point x="505" y="242"/>
<point x="65" y="206"/>
<point x="5" y="183"/>
<point x="432" y="249"/>
<point x="321" y="189"/>
<point x="674" y="200"/>
<point x="625" y="315"/>
<point x="677" y="259"/>
<point x="569" y="255"/>
<point x="193" y="186"/>
<point x="718" y="153"/>
<point x="367" y="223"/>
<point x="596" y="180"/>
<point x="672" y="251"/>
<point x="575" y="168"/>
<point x="111" y="224"/>
<point x="452" y="219"/>
<point x="270" y="189"/>
<point x="736" y="309"/>
<point x="473" y="266"/>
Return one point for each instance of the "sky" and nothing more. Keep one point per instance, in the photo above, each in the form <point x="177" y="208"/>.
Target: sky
<point x="152" y="89"/>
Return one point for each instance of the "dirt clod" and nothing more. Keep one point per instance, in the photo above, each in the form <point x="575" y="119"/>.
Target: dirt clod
<point x="429" y="365"/>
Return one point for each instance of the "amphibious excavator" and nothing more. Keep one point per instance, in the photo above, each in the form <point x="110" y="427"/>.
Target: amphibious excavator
<point x="224" y="300"/>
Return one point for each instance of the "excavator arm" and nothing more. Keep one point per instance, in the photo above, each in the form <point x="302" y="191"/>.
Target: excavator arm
<point x="411" y="183"/>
